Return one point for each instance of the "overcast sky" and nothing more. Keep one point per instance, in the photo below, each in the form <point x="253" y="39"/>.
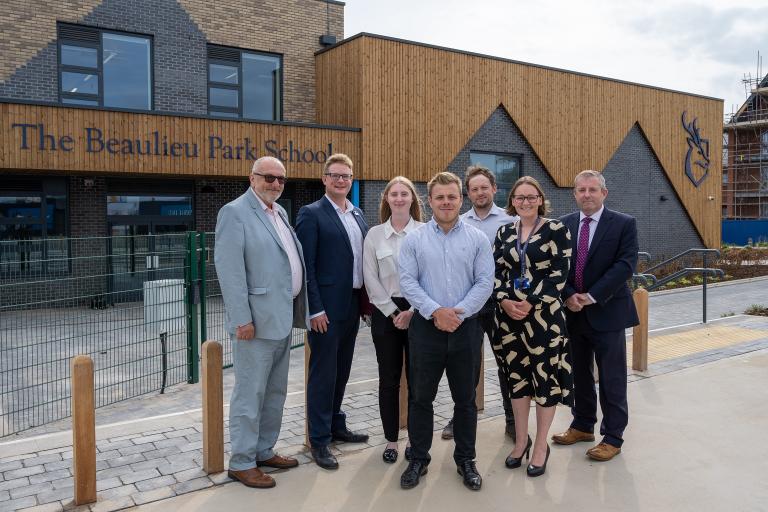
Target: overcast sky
<point x="699" y="46"/>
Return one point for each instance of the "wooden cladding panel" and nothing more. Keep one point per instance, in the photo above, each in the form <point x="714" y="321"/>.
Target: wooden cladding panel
<point x="419" y="106"/>
<point x="74" y="122"/>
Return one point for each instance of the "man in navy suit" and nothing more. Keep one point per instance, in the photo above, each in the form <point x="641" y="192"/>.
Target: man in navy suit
<point x="331" y="232"/>
<point x="600" y="307"/>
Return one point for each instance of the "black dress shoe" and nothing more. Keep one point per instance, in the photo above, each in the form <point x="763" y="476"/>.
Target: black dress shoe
<point x="408" y="453"/>
<point x="348" y="436"/>
<point x="538" y="470"/>
<point x="448" y="430"/>
<point x="515" y="462"/>
<point x="389" y="455"/>
<point x="324" y="458"/>
<point x="410" y="477"/>
<point x="472" y="479"/>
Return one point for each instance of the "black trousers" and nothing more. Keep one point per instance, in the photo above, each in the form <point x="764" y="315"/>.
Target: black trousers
<point x="487" y="318"/>
<point x="433" y="352"/>
<point x="609" y="351"/>
<point x="329" y="365"/>
<point x="390" y="342"/>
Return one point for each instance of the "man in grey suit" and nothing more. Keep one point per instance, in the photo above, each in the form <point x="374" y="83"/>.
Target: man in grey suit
<point x="261" y="272"/>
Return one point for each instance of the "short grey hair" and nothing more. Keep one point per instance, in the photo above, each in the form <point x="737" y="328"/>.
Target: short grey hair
<point x="591" y="174"/>
<point x="264" y="159"/>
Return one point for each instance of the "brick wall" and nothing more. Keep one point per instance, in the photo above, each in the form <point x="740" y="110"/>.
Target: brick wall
<point x="180" y="30"/>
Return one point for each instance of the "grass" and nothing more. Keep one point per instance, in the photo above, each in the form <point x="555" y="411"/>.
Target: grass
<point x="757" y="309"/>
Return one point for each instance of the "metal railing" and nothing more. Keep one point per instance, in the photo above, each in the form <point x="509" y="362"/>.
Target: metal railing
<point x="139" y="306"/>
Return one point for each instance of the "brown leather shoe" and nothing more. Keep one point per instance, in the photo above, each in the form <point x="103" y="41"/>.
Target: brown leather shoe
<point x="253" y="477"/>
<point x="603" y="452"/>
<point x="279" y="462"/>
<point x="572" y="435"/>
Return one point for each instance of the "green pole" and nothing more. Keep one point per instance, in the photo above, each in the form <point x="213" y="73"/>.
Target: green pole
<point x="193" y="299"/>
<point x="203" y="287"/>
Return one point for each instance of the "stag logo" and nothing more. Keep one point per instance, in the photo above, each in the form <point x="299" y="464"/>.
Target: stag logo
<point x="697" y="158"/>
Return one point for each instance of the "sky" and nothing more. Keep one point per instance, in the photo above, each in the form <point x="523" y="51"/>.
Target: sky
<point x="703" y="47"/>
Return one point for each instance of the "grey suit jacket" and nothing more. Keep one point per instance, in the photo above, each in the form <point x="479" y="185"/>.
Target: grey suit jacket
<point x="254" y="272"/>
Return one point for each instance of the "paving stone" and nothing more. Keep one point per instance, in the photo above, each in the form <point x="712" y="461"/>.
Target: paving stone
<point x="113" y="445"/>
<point x="121" y="438"/>
<point x="180" y="433"/>
<point x="192" y="485"/>
<point x="7" y="485"/>
<point x="165" y="443"/>
<point x="195" y="445"/>
<point x="55" y="466"/>
<point x="29" y="490"/>
<point x="113" y="472"/>
<point x="122" y="461"/>
<point x="48" y="507"/>
<point x="8" y="466"/>
<point x="220" y="478"/>
<point x="164" y="452"/>
<point x="63" y="483"/>
<point x="56" y="495"/>
<point x="112" y="504"/>
<point x="148" y="464"/>
<point x="49" y="476"/>
<point x="155" y="483"/>
<point x="177" y="467"/>
<point x="11" y="505"/>
<point x="22" y="456"/>
<point x="180" y="457"/>
<point x="111" y="454"/>
<point x="5" y="495"/>
<point x="148" y="439"/>
<point x="189" y="474"/>
<point x="160" y="493"/>
<point x="137" y="476"/>
<point x="108" y="483"/>
<point x="18" y="473"/>
<point x="118" y="492"/>
<point x="137" y="448"/>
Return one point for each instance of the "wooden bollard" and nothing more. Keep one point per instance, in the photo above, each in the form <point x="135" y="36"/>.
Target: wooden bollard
<point x="83" y="430"/>
<point x="640" y="332"/>
<point x="213" y="408"/>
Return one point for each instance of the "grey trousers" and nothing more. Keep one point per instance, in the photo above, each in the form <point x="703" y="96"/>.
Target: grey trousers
<point x="256" y="406"/>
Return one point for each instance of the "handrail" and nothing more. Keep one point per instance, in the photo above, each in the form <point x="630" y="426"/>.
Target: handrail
<point x="700" y="250"/>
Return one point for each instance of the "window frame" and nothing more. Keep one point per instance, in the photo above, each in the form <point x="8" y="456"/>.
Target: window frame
<point x="99" y="70"/>
<point x="516" y="156"/>
<point x="277" y="107"/>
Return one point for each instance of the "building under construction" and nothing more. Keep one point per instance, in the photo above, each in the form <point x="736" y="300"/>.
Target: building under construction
<point x="745" y="156"/>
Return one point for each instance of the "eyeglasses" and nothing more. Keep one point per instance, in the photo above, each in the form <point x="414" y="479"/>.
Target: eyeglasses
<point x="337" y="177"/>
<point x="270" y="178"/>
<point x="522" y="199"/>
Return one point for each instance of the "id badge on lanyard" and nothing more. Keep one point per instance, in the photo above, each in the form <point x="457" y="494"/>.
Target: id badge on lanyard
<point x="522" y="283"/>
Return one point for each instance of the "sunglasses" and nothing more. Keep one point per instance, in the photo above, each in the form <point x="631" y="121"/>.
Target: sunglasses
<point x="270" y="178"/>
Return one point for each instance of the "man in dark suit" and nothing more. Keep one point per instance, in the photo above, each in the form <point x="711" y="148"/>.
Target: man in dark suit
<point x="331" y="232"/>
<point x="600" y="307"/>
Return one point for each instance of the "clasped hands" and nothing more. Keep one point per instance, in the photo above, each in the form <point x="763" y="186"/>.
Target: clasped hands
<point x="447" y="319"/>
<point x="577" y="301"/>
<point x="516" y="309"/>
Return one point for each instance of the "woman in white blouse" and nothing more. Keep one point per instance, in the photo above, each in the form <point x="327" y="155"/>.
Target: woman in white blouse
<point x="400" y="213"/>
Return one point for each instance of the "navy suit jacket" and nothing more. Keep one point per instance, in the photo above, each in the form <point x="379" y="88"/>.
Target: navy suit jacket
<point x="328" y="257"/>
<point x="610" y="264"/>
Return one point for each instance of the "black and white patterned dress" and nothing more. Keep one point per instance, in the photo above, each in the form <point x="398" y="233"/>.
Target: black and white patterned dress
<point x="534" y="352"/>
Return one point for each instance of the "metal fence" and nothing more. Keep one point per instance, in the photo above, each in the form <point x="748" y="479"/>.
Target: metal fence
<point x="139" y="306"/>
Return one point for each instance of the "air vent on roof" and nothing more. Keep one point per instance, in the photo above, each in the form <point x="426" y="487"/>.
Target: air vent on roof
<point x="78" y="33"/>
<point x="221" y="53"/>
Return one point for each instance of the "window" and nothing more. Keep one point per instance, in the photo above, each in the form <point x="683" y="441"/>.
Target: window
<point x="33" y="227"/>
<point x="505" y="167"/>
<point x="106" y="69"/>
<point x="244" y="84"/>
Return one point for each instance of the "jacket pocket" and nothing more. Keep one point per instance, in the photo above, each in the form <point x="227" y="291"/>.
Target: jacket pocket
<point x="257" y="291"/>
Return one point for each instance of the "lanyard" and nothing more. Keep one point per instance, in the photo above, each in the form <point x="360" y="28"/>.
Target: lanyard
<point x="521" y="250"/>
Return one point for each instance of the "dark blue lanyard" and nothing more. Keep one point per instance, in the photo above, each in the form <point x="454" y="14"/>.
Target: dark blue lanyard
<point x="521" y="250"/>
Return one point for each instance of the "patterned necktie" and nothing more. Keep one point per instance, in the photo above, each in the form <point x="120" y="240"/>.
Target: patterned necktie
<point x="581" y="253"/>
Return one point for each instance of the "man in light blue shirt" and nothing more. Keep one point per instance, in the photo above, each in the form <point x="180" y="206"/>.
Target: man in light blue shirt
<point x="488" y="218"/>
<point x="446" y="274"/>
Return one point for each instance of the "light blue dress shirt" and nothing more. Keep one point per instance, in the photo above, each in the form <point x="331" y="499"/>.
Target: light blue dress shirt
<point x="453" y="269"/>
<point x="496" y="218"/>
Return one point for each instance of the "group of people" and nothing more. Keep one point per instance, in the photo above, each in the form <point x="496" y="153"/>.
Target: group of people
<point x="551" y="296"/>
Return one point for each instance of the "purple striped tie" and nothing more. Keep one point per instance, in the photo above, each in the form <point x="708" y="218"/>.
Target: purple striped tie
<point x="581" y="253"/>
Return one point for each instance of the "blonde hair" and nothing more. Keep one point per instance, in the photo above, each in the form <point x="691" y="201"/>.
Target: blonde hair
<point x="337" y="158"/>
<point x="527" y="180"/>
<point x="591" y="174"/>
<point x="385" y="211"/>
<point x="443" y="178"/>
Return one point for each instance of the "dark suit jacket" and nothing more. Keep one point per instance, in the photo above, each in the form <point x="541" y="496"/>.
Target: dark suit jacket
<point x="610" y="264"/>
<point x="328" y="257"/>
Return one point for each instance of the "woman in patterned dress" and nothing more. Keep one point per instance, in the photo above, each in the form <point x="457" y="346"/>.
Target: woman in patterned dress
<point x="531" y="343"/>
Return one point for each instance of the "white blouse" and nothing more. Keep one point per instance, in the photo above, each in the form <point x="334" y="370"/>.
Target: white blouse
<point x="380" y="252"/>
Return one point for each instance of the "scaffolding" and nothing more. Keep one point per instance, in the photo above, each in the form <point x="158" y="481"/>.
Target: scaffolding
<point x="745" y="153"/>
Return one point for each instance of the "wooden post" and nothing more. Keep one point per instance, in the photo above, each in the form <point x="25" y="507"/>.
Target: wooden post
<point x="480" y="389"/>
<point x="403" y="396"/>
<point x="640" y="332"/>
<point x="83" y="430"/>
<point x="213" y="408"/>
<point x="307" y="352"/>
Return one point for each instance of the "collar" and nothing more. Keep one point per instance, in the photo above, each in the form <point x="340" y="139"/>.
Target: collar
<point x="495" y="210"/>
<point x="389" y="230"/>
<point x="437" y="228"/>
<point x="349" y="206"/>
<point x="261" y="203"/>
<point x="595" y="217"/>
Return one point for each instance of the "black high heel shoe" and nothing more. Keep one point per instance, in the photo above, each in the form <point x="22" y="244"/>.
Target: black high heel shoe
<point x="390" y="455"/>
<point x="538" y="470"/>
<point x="515" y="462"/>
